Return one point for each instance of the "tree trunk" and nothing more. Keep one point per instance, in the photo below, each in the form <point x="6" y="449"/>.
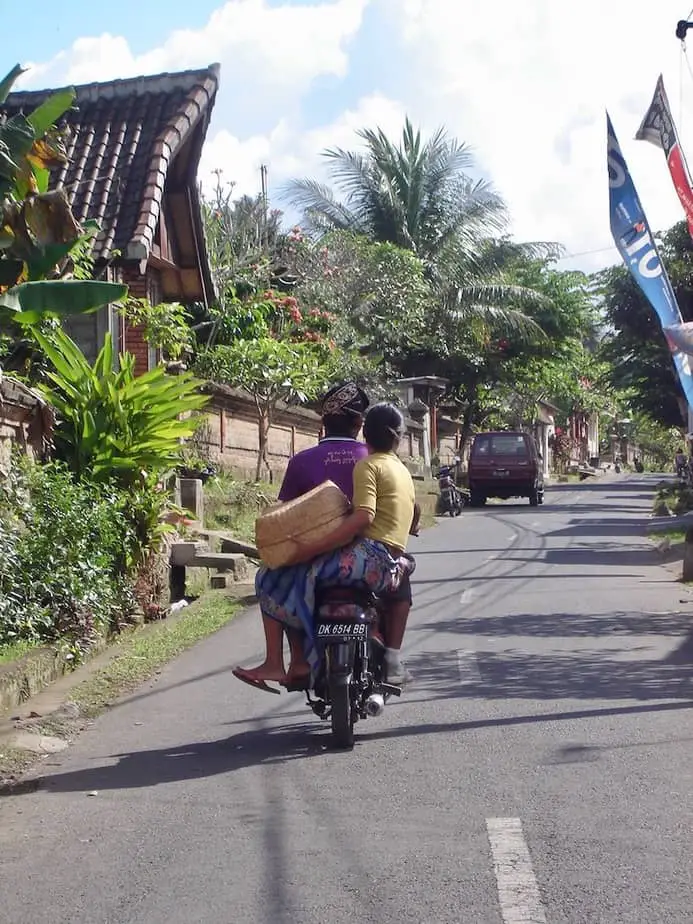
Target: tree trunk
<point x="467" y="421"/>
<point x="263" y="427"/>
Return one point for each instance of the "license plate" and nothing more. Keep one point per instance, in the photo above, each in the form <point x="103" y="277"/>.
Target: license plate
<point x="342" y="631"/>
<point x="501" y="473"/>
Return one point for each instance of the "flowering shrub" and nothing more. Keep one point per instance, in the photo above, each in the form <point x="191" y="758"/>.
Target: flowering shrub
<point x="287" y="321"/>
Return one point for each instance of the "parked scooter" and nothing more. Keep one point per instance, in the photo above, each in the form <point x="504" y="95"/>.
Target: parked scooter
<point x="451" y="498"/>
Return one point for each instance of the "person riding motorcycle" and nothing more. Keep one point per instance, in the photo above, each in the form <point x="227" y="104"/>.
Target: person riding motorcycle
<point x="334" y="458"/>
<point x="680" y="463"/>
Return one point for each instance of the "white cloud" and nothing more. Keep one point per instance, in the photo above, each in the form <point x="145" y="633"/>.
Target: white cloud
<point x="289" y="150"/>
<point x="525" y="83"/>
<point x="265" y="51"/>
<point x="528" y="84"/>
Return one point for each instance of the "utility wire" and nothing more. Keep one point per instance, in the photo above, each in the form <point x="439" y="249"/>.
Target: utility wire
<point x="586" y="253"/>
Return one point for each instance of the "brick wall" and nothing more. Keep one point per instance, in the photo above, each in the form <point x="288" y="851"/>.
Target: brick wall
<point x="20" y="422"/>
<point x="132" y="337"/>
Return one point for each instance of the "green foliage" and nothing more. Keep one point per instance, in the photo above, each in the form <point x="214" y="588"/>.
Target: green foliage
<point x="635" y="346"/>
<point x="241" y="235"/>
<point x="657" y="443"/>
<point x="165" y="326"/>
<point x="414" y="194"/>
<point x="234" y="505"/>
<point x="63" y="546"/>
<point x="270" y="371"/>
<point x="113" y="424"/>
<point x="377" y="292"/>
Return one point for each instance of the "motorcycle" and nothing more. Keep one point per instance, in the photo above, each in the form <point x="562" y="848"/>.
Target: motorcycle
<point x="451" y="498"/>
<point x="683" y="470"/>
<point x="349" y="683"/>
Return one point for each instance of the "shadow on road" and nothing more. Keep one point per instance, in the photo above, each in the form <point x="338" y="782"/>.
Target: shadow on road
<point x="440" y="728"/>
<point x="628" y="672"/>
<point x="260" y="746"/>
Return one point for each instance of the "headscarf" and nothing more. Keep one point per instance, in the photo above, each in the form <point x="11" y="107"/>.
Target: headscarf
<point x="344" y="400"/>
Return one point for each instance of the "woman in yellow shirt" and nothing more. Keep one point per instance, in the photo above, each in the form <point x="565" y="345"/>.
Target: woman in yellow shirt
<point x="369" y="546"/>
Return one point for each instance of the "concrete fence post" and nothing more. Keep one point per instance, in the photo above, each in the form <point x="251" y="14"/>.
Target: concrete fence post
<point x="688" y="555"/>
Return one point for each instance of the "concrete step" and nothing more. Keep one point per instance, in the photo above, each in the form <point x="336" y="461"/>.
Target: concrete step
<point x="230" y="545"/>
<point x="221" y="561"/>
<point x="182" y="553"/>
<point x="225" y="542"/>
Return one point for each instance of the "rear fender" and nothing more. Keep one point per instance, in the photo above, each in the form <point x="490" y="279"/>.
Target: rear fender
<point x="340" y="658"/>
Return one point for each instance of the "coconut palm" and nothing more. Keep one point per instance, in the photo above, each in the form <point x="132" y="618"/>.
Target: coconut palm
<point x="415" y="194"/>
<point x="418" y="195"/>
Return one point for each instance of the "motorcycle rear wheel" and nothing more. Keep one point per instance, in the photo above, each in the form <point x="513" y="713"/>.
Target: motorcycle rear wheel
<point x="342" y="717"/>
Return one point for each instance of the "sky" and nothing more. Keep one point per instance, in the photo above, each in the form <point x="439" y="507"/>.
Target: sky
<point x="524" y="84"/>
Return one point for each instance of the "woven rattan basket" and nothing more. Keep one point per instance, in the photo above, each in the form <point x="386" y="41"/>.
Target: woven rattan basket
<point x="309" y="517"/>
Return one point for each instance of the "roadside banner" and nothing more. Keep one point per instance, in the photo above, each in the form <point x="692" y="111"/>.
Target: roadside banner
<point x="659" y="129"/>
<point x="635" y="243"/>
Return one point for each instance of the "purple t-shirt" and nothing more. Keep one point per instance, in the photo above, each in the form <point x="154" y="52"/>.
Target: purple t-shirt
<point x="333" y="459"/>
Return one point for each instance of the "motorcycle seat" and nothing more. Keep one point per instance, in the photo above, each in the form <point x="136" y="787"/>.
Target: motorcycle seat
<point x="355" y="594"/>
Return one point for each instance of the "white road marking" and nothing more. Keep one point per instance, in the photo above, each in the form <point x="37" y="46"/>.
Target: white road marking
<point x="468" y="667"/>
<point x="467" y="595"/>
<point x="491" y="558"/>
<point x="518" y="892"/>
<point x="512" y="537"/>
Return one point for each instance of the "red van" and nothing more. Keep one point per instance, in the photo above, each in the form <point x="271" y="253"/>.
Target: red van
<point x="505" y="463"/>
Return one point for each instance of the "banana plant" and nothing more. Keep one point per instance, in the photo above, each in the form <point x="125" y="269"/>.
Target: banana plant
<point x="38" y="231"/>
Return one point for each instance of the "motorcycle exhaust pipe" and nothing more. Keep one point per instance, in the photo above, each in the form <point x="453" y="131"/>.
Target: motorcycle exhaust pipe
<point x="375" y="705"/>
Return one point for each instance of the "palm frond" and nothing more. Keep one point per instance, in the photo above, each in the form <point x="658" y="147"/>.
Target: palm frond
<point x="317" y="201"/>
<point x="498" y="305"/>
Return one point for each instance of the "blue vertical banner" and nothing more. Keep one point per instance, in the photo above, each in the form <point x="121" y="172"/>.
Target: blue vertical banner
<point x="635" y="243"/>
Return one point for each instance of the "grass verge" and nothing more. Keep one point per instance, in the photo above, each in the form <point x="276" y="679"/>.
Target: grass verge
<point x="132" y="661"/>
<point x="143" y="653"/>
<point x="673" y="535"/>
<point x="234" y="505"/>
<point x="672" y="497"/>
<point x="15" y="651"/>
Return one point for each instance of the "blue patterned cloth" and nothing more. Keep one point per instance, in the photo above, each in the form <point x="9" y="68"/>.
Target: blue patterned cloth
<point x="288" y="594"/>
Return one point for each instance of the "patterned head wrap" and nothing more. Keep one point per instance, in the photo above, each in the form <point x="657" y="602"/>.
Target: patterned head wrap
<point x="345" y="400"/>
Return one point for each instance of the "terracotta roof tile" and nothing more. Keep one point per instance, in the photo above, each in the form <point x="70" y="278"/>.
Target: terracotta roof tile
<point x="124" y="136"/>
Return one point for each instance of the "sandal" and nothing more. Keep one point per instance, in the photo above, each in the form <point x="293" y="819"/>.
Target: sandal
<point x="246" y="677"/>
<point x="297" y="683"/>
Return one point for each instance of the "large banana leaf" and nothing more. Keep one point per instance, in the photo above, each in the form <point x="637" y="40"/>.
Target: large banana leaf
<point x="29" y="302"/>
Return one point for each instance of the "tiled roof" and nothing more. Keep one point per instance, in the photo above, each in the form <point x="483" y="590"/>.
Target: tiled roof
<point x="124" y="135"/>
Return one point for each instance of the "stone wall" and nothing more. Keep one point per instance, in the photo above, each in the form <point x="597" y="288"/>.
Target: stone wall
<point x="25" y="421"/>
<point x="230" y="434"/>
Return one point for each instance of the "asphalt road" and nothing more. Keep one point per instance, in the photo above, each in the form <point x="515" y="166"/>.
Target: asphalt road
<point x="539" y="770"/>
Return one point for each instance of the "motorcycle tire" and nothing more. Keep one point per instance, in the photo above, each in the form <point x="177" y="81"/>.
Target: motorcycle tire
<point x="342" y="717"/>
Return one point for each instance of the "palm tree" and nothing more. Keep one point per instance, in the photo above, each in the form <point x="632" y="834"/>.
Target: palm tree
<point x="417" y="195"/>
<point x="414" y="194"/>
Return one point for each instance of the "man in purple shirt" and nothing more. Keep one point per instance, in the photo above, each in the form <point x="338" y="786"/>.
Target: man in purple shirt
<point x="337" y="452"/>
<point x="333" y="459"/>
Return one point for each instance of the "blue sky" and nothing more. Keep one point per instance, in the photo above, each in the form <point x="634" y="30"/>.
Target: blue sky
<point x="524" y="83"/>
<point x="142" y="22"/>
